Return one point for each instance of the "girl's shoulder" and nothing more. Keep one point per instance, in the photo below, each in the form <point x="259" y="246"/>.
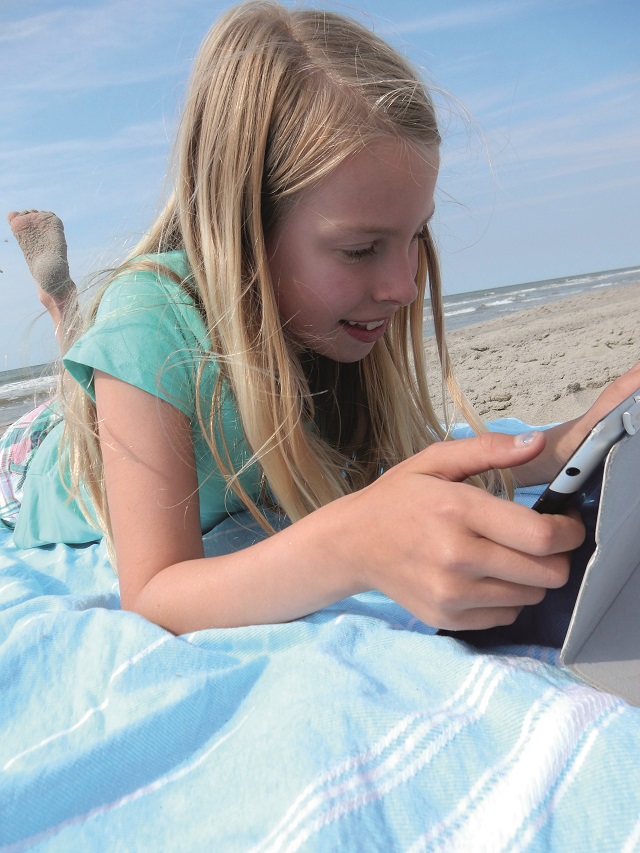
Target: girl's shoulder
<point x="155" y="278"/>
<point x="148" y="332"/>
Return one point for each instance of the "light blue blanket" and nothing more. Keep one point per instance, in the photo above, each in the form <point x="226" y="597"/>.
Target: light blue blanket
<point x="353" y="729"/>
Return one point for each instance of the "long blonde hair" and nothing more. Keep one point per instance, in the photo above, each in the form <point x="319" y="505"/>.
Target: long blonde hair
<point x="279" y="98"/>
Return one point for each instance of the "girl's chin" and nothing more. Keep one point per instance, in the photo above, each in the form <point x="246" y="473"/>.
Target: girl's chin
<point x="343" y="355"/>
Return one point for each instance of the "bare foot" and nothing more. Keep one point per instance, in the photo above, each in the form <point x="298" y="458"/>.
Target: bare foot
<point x="40" y="235"/>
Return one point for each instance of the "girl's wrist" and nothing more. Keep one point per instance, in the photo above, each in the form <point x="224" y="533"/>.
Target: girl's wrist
<point x="335" y="538"/>
<point x="562" y="440"/>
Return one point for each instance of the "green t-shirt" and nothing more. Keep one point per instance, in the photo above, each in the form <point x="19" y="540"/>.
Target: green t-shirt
<point x="148" y="333"/>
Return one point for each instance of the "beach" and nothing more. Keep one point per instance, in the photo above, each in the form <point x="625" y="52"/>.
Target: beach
<point x="547" y="363"/>
<point x="542" y="364"/>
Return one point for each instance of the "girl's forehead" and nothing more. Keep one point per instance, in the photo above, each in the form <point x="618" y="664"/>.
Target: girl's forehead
<point x="387" y="189"/>
<point x="378" y="174"/>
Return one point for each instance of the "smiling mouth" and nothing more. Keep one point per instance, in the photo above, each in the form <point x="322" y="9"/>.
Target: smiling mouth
<point x="370" y="326"/>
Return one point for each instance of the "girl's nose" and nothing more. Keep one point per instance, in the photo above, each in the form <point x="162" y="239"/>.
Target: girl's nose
<point x="396" y="283"/>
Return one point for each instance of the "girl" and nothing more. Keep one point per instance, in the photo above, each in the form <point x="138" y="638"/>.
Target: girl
<point x="262" y="351"/>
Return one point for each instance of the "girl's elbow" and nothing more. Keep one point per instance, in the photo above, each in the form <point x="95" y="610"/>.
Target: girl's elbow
<point x="145" y="603"/>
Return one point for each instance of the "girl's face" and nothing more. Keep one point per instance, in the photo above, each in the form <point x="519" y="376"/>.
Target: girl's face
<point x="345" y="258"/>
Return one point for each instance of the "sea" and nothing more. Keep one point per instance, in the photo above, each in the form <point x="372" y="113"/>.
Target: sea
<point x="23" y="388"/>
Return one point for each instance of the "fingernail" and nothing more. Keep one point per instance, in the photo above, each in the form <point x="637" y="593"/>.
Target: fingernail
<point x="525" y="438"/>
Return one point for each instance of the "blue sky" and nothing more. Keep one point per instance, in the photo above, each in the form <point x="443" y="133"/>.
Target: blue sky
<point x="540" y="112"/>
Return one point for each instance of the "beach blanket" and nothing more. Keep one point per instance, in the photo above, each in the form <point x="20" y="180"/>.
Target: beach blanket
<point x="355" y="728"/>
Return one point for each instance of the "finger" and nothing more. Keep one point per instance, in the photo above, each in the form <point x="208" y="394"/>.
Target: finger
<point x="493" y="603"/>
<point x="462" y="458"/>
<point x="484" y="517"/>
<point x="520" y="528"/>
<point x="485" y="574"/>
<point x="514" y="577"/>
<point x="480" y="618"/>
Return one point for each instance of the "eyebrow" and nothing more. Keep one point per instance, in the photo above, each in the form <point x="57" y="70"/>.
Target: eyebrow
<point x="365" y="228"/>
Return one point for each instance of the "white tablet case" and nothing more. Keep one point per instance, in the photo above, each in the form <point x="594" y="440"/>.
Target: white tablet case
<point x="603" y="641"/>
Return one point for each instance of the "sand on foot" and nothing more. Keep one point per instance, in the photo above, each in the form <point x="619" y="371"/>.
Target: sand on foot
<point x="40" y="235"/>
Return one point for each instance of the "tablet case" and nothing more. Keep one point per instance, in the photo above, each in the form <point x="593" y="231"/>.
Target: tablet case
<point x="602" y="644"/>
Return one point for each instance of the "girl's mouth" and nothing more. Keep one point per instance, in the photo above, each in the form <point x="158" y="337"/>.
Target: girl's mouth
<point x="370" y="326"/>
<point x="366" y="333"/>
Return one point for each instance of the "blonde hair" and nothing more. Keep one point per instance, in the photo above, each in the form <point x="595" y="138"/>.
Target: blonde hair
<point x="277" y="100"/>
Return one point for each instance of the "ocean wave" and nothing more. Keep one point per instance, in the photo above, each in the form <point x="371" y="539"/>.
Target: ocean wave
<point x="498" y="302"/>
<point x="461" y="311"/>
<point x="27" y="387"/>
<point x="533" y="299"/>
<point x="475" y="301"/>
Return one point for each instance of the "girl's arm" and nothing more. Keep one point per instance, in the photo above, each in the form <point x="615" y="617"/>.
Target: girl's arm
<point x="152" y="492"/>
<point x="453" y="555"/>
<point x="563" y="439"/>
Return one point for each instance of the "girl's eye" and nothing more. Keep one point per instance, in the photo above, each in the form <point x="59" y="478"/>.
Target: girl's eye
<point x="358" y="254"/>
<point x="367" y="251"/>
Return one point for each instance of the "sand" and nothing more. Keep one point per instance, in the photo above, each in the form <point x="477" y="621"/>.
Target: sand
<point x="550" y="362"/>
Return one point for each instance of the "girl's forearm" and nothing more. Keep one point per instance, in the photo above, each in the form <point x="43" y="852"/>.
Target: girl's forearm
<point x="291" y="574"/>
<point x="454" y="556"/>
<point x="561" y="441"/>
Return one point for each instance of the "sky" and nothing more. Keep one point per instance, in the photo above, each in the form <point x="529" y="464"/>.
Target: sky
<point x="538" y="100"/>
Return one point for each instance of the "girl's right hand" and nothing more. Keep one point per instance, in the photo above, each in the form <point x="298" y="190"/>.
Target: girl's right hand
<point x="454" y="555"/>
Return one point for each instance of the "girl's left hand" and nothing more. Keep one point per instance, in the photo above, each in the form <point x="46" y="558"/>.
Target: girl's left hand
<point x="565" y="438"/>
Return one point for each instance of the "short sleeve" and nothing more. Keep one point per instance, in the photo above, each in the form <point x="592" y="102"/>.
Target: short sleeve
<point x="148" y="333"/>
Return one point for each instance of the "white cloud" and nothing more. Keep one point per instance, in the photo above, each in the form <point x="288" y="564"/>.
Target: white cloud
<point x="28" y="28"/>
<point x="466" y="16"/>
<point x="63" y="80"/>
<point x="113" y="43"/>
<point x="144" y="135"/>
<point x="569" y="130"/>
<point x="595" y="96"/>
<point x="475" y="14"/>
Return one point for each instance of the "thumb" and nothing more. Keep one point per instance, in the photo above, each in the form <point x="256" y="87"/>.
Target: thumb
<point x="461" y="458"/>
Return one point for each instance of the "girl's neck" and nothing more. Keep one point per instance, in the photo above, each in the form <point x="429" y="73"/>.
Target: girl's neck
<point x="339" y="402"/>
